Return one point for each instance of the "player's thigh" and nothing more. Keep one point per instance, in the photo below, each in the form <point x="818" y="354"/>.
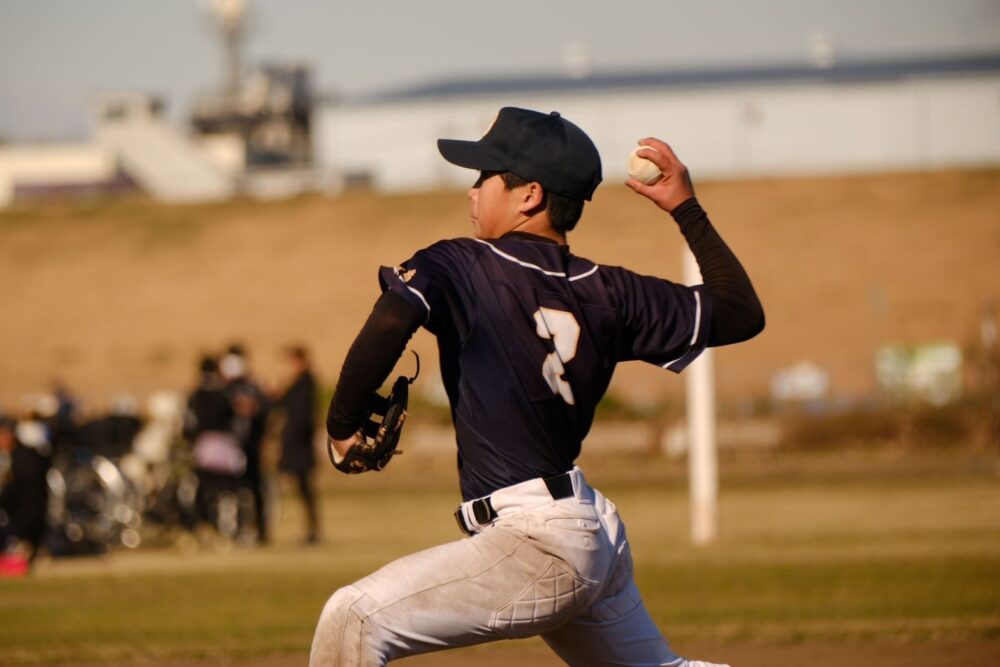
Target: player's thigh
<point x="498" y="584"/>
<point x="444" y="566"/>
<point x="618" y="631"/>
<point x="426" y="601"/>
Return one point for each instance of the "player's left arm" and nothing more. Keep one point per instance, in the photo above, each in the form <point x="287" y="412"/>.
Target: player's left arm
<point x="737" y="314"/>
<point x="369" y="361"/>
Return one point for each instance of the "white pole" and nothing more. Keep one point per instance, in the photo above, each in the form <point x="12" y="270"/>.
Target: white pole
<point x="703" y="475"/>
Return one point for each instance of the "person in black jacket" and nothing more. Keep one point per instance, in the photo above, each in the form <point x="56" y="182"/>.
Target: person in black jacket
<point x="23" y="493"/>
<point x="250" y="410"/>
<point x="219" y="461"/>
<point x="297" y="437"/>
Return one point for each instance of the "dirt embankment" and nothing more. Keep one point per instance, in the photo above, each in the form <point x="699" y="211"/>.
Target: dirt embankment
<point x="125" y="295"/>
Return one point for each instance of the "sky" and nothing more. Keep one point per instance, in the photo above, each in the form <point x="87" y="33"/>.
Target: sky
<point x="56" y="54"/>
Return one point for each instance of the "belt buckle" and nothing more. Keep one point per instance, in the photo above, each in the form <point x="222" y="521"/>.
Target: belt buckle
<point x="481" y="511"/>
<point x="461" y="521"/>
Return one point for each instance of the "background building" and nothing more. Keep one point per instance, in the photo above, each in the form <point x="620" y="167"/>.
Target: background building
<point x="727" y="123"/>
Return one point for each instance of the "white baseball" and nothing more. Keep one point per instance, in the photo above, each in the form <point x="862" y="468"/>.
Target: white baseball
<point x="642" y="169"/>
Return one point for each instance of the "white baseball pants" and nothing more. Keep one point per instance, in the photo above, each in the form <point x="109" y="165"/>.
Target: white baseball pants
<point x="556" y="568"/>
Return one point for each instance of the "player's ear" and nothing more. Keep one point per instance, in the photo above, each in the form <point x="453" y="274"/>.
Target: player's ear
<point x="532" y="197"/>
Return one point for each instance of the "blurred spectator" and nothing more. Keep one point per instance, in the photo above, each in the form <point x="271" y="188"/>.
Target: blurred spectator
<point x="218" y="460"/>
<point x="23" y="493"/>
<point x="64" y="421"/>
<point x="250" y="409"/>
<point x="297" y="451"/>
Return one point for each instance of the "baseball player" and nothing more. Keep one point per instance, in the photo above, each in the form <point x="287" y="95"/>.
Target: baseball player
<point x="529" y="335"/>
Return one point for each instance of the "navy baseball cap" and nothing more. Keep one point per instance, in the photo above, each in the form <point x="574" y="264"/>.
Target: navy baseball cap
<point x="541" y="147"/>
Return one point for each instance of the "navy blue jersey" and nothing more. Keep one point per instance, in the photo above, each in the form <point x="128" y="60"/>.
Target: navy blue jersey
<point x="529" y="336"/>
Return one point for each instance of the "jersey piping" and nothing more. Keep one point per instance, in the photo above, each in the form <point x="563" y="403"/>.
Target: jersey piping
<point x="423" y="300"/>
<point x="529" y="265"/>
<point x="584" y="275"/>
<point x="694" y="336"/>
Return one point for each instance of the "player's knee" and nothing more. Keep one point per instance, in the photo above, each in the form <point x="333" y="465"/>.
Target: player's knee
<point x="339" y="632"/>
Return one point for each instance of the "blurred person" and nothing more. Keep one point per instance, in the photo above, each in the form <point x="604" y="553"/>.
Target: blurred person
<point x="250" y="412"/>
<point x="219" y="462"/>
<point x="23" y="491"/>
<point x="299" y="433"/>
<point x="65" y="420"/>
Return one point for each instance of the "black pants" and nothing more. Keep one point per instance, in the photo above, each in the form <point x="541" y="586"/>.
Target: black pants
<point x="304" y="479"/>
<point x="254" y="481"/>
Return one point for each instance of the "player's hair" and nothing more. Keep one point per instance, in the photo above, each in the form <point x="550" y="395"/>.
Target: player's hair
<point x="564" y="212"/>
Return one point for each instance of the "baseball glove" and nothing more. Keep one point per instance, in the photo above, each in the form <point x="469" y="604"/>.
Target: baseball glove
<point x="377" y="438"/>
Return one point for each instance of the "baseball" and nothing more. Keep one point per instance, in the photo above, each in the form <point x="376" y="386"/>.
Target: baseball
<point x="642" y="169"/>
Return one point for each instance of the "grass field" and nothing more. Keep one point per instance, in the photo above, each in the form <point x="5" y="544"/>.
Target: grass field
<point x="876" y="561"/>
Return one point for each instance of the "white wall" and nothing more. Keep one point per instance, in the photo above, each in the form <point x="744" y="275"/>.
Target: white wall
<point x="735" y="131"/>
<point x="42" y="164"/>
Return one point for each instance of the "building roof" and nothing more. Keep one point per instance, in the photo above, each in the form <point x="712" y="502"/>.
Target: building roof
<point x="837" y="73"/>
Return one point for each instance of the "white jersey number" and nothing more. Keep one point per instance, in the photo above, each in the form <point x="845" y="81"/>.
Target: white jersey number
<point x="564" y="331"/>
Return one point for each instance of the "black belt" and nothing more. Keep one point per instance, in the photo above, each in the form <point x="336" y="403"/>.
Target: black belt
<point x="560" y="486"/>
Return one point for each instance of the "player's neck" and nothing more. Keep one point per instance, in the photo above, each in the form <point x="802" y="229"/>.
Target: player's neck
<point x="538" y="225"/>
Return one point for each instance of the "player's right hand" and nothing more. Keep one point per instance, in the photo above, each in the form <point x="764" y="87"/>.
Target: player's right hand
<point x="675" y="187"/>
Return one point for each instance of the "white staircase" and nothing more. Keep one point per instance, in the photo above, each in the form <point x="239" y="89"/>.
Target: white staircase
<point x="158" y="158"/>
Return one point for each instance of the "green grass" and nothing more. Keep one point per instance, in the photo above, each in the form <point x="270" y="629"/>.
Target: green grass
<point x="200" y="614"/>
<point x="829" y="600"/>
<point x="905" y="557"/>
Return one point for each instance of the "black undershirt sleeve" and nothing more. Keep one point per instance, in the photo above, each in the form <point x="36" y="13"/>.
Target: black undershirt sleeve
<point x="374" y="352"/>
<point x="736" y="311"/>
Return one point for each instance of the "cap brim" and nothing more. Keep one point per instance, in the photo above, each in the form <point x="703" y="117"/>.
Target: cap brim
<point x="469" y="154"/>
